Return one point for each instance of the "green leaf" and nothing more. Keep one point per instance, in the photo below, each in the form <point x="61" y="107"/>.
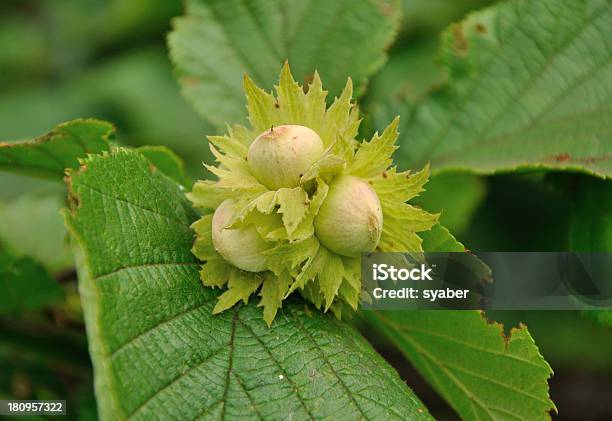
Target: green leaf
<point x="216" y="273"/>
<point x="217" y="42"/>
<point x="32" y="226"/>
<point x="528" y="86"/>
<point x="167" y="162"/>
<point x="159" y="352"/>
<point x="401" y="220"/>
<point x="49" y="155"/>
<point x="25" y="285"/>
<point x="328" y="164"/>
<point x="483" y="374"/>
<point x="439" y="239"/>
<point x="409" y="73"/>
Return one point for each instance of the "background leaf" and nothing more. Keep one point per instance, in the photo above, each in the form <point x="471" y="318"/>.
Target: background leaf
<point x="157" y="349"/>
<point x="49" y="155"/>
<point x="133" y="88"/>
<point x="528" y="85"/>
<point x="32" y="226"/>
<point x="433" y="16"/>
<point x="31" y="223"/>
<point x="218" y="41"/>
<point x="439" y="239"/>
<point x="483" y="374"/>
<point x="25" y="284"/>
<point x="167" y="162"/>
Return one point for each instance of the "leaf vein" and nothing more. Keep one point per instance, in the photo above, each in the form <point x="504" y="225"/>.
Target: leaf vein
<point x="460" y="342"/>
<point x="163" y="322"/>
<point x="119" y="199"/>
<point x="144" y="265"/>
<point x="280" y="367"/>
<point x="230" y="363"/>
<point x="174" y="380"/>
<point x="474" y="86"/>
<point x="328" y="363"/>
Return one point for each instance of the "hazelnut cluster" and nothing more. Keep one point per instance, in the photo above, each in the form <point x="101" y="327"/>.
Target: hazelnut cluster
<point x="298" y="199"/>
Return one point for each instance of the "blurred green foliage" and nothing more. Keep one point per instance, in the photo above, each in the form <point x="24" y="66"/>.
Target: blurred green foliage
<point x="33" y="227"/>
<point x="93" y="58"/>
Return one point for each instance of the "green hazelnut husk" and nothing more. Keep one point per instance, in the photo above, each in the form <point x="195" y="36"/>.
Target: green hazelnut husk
<point x="350" y="220"/>
<point x="242" y="247"/>
<point x="280" y="156"/>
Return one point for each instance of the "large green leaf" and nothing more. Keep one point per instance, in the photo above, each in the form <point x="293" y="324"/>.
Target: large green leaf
<point x="439" y="239"/>
<point x="25" y="284"/>
<point x="483" y="374"/>
<point x="49" y="155"/>
<point x="218" y="41"/>
<point x="530" y="84"/>
<point x="158" y="351"/>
